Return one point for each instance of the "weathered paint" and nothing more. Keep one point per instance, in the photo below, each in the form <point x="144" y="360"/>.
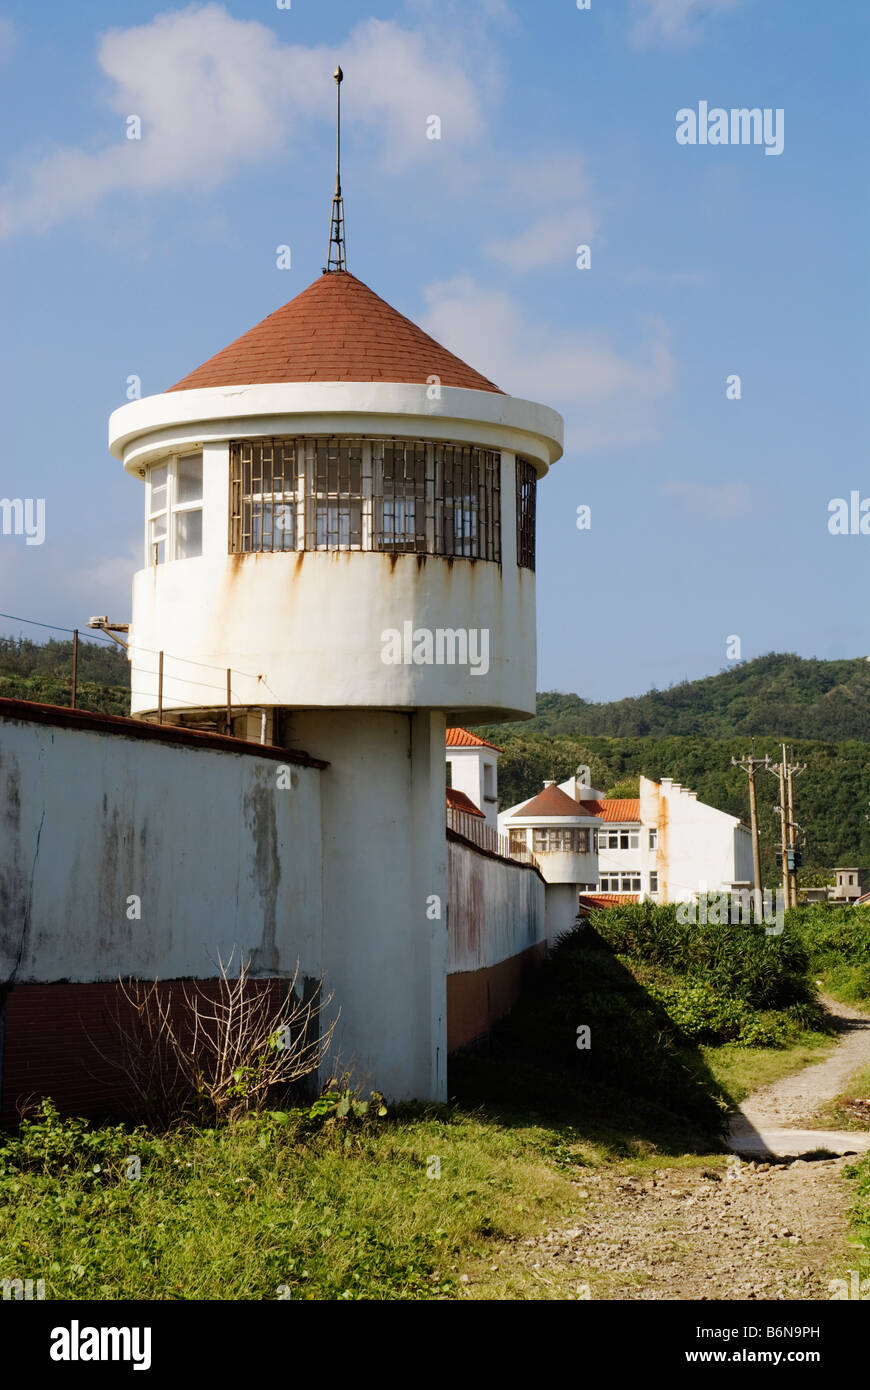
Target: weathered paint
<point x="90" y="819"/>
<point x="497" y="909"/>
<point x="309" y="634"/>
<point x="699" y="849"/>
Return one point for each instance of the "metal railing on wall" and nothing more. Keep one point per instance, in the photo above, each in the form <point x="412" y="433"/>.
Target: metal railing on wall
<point x="475" y="829"/>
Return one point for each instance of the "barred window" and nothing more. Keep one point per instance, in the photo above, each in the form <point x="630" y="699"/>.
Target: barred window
<point x="568" y="839"/>
<point x="427" y="498"/>
<point x="527" y="480"/>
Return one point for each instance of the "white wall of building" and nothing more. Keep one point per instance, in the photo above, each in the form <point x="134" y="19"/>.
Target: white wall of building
<point x="699" y="848"/>
<point x="474" y="771"/>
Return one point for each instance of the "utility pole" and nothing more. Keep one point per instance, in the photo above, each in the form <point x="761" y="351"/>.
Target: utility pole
<point x="786" y="773"/>
<point x="784" y="833"/>
<point x="793" y="770"/>
<point x="749" y="765"/>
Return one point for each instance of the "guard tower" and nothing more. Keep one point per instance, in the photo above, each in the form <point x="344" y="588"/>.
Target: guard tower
<point x="341" y="513"/>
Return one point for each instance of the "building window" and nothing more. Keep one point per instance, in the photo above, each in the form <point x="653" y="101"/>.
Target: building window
<point x="174" y="510"/>
<point x="527" y="482"/>
<point x="389" y="495"/>
<point x="619" y="883"/>
<point x="654" y="839"/>
<point x="618" y="839"/>
<point x="567" y="840"/>
<point x="517" y="842"/>
<point x="489" y="782"/>
<point x="449" y="773"/>
<point x="653" y="882"/>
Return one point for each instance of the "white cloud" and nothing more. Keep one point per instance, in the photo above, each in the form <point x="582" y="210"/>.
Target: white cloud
<point x="561" y="185"/>
<point x="7" y="39"/>
<point x="549" y="241"/>
<point x="675" y="23"/>
<point x="215" y="94"/>
<point x="608" y="399"/>
<point x="711" y="499"/>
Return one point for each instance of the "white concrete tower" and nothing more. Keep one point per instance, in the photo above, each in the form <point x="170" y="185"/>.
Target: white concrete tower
<point x="341" y="513"/>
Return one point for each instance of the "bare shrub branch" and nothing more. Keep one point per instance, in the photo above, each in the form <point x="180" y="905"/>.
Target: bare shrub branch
<point x="193" y="1051"/>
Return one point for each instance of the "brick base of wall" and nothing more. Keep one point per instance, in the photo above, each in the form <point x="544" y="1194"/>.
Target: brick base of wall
<point x="477" y="999"/>
<point x="62" y="1041"/>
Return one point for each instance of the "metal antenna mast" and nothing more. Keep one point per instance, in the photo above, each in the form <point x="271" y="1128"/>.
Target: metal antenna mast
<point x="337" y="258"/>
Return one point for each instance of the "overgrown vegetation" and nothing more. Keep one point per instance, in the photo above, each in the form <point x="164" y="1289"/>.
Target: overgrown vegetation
<point x="650" y="990"/>
<point x="308" y="1203"/>
<point x="837" y="943"/>
<point x="341" y="1200"/>
<point x="860" y="1173"/>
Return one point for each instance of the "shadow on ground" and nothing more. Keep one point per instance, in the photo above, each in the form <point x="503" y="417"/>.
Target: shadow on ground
<point x="638" y="1087"/>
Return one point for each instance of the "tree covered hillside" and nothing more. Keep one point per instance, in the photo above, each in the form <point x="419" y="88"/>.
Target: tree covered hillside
<point x="43" y="672"/>
<point x="780" y="695"/>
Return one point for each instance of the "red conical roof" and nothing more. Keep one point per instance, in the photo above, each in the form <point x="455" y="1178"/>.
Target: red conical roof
<point x="336" y="330"/>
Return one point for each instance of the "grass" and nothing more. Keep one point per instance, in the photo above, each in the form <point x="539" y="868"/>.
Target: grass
<point x="851" y="1108"/>
<point x="741" y="1070"/>
<point x="262" y="1210"/>
<point x="859" y="1173"/>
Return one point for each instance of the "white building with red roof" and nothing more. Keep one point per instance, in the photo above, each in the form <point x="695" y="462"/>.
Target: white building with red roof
<point x="664" y="844"/>
<point x="472" y="768"/>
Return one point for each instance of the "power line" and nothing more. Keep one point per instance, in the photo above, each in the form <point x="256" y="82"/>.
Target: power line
<point x="150" y="651"/>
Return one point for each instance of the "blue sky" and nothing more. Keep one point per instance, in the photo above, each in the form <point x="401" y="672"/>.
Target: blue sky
<point x="709" y="516"/>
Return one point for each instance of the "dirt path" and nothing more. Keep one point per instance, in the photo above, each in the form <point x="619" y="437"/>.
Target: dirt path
<point x="738" y="1230"/>
<point x="772" y="1120"/>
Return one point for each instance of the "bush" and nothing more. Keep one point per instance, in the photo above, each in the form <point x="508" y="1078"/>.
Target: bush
<point x="740" y="961"/>
<point x="636" y="1049"/>
<point x="837" y="943"/>
<point x="703" y="1015"/>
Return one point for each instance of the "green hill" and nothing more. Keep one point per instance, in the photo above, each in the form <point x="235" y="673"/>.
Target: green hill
<point x="779" y="695"/>
<point x="691" y="731"/>
<point x="42" y="671"/>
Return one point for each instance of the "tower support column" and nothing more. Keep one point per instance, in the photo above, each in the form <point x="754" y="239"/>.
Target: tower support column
<point x="384" y="894"/>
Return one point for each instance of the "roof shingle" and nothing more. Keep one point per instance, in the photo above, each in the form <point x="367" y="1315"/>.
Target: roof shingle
<point x="336" y="330"/>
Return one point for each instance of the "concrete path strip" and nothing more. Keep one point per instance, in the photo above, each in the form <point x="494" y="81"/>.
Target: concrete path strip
<point x="769" y="1122"/>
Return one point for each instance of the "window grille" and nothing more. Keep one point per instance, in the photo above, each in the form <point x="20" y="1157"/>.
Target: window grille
<point x="527" y="481"/>
<point x="390" y="495"/>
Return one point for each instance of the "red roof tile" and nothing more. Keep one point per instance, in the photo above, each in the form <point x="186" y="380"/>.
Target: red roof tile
<point x="336" y="330"/>
<point x="589" y="900"/>
<point x="458" y="801"/>
<point x="461" y="738"/>
<point x="624" y="808"/>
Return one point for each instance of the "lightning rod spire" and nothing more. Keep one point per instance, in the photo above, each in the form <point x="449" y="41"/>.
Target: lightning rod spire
<point x="337" y="256"/>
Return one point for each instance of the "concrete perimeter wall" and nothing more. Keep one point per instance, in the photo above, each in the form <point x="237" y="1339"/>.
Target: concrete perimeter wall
<point x="496" y="933"/>
<point x="97" y="813"/>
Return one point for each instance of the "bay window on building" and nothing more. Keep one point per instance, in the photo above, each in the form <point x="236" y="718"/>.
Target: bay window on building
<point x="569" y="840"/>
<point x="174" y="510"/>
